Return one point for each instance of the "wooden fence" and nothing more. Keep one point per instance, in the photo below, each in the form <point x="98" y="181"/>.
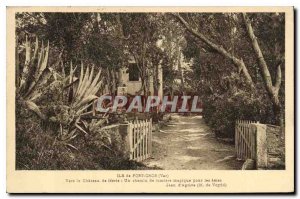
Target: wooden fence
<point x="140" y="139"/>
<point x="251" y="142"/>
<point x="245" y="140"/>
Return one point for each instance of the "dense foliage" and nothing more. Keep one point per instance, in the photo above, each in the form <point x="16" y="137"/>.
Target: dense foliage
<point x="58" y="79"/>
<point x="223" y="88"/>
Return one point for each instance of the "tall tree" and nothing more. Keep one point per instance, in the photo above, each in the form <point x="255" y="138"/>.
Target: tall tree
<point x="271" y="86"/>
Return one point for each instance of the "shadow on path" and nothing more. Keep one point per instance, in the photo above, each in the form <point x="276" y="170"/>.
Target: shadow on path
<point x="186" y="142"/>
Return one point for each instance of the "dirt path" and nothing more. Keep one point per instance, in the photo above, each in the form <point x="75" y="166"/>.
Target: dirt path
<point x="186" y="142"/>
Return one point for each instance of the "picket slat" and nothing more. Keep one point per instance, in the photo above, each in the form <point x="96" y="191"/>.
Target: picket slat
<point x="140" y="139"/>
<point x="130" y="140"/>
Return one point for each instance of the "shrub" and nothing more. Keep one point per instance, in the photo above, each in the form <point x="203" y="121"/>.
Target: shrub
<point x="51" y="131"/>
<point x="221" y="112"/>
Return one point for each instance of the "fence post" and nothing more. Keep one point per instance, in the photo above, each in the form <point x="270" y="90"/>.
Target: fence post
<point x="261" y="146"/>
<point x="124" y="130"/>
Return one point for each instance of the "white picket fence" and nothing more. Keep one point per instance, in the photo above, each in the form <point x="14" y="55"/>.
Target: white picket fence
<point x="140" y="139"/>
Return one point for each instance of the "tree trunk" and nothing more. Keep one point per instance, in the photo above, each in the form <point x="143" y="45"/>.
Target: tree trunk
<point x="155" y="80"/>
<point x="113" y="81"/>
<point x="180" y="69"/>
<point x="147" y="86"/>
<point x="272" y="90"/>
<point x="239" y="63"/>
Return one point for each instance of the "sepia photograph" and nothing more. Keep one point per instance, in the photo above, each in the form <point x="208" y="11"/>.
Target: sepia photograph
<point x="150" y="90"/>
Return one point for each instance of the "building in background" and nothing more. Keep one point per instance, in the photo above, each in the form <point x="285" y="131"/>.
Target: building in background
<point x="130" y="80"/>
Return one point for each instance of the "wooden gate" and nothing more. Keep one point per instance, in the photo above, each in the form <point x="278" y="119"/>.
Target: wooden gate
<point x="245" y="140"/>
<point x="140" y="139"/>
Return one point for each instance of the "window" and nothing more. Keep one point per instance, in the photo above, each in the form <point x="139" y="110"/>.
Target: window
<point x="133" y="72"/>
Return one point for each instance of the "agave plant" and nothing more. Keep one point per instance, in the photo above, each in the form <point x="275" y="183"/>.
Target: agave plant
<point x="34" y="78"/>
<point x="34" y="75"/>
<point x="81" y="95"/>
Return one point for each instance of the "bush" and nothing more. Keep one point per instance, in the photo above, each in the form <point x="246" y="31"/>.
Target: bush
<point x="221" y="112"/>
<point x="38" y="149"/>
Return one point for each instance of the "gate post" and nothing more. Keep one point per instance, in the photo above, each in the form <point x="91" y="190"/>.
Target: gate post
<point x="261" y="146"/>
<point x="125" y="134"/>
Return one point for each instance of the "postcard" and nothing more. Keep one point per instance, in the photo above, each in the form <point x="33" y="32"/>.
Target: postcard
<point x="150" y="100"/>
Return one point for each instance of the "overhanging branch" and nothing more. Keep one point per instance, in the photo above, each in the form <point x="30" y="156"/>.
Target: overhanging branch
<point x="237" y="62"/>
